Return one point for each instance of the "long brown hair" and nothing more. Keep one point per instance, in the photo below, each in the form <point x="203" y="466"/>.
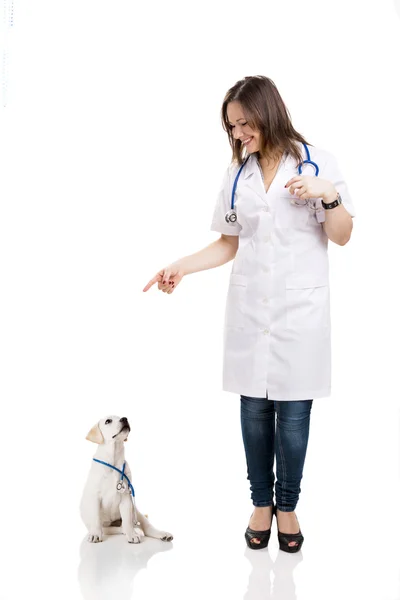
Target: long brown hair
<point x="266" y="112"/>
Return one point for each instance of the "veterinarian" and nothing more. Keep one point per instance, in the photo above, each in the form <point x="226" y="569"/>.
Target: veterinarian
<point x="280" y="202"/>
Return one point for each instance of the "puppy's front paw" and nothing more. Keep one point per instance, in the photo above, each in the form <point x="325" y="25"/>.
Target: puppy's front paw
<point x="95" y="537"/>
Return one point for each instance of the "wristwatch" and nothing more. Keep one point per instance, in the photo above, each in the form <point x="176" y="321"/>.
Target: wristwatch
<point x="336" y="202"/>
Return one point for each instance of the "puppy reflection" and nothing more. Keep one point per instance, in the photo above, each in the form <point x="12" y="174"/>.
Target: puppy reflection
<point x="109" y="570"/>
<point x="106" y="506"/>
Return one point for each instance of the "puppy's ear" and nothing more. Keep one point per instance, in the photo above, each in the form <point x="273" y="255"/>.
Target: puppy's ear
<point x="95" y="435"/>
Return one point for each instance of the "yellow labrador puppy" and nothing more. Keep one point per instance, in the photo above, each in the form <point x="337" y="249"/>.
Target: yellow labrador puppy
<point x="106" y="506"/>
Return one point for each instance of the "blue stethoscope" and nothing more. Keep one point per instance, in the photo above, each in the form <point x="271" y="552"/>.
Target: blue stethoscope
<point x="121" y="486"/>
<point x="231" y="215"/>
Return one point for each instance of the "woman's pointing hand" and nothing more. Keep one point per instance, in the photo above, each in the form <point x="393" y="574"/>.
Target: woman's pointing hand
<point x="167" y="278"/>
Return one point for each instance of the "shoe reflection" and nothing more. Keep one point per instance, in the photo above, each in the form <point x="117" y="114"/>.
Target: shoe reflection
<point x="271" y="580"/>
<point x="108" y="569"/>
<point x="283" y="585"/>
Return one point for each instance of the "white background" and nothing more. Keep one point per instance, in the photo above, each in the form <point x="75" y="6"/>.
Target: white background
<point x="112" y="155"/>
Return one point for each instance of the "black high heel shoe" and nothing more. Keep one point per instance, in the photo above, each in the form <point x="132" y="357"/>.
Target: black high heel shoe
<point x="263" y="536"/>
<point x="285" y="538"/>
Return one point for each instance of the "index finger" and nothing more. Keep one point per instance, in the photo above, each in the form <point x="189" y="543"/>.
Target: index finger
<point x="297" y="178"/>
<point x="152" y="282"/>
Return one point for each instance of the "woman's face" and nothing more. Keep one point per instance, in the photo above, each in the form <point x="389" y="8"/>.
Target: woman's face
<point x="250" y="138"/>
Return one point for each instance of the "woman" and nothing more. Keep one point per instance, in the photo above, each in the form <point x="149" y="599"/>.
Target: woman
<point x="277" y="323"/>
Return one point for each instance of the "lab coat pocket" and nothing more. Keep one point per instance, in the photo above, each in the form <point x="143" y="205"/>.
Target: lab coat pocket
<point x="289" y="215"/>
<point x="234" y="314"/>
<point x="307" y="306"/>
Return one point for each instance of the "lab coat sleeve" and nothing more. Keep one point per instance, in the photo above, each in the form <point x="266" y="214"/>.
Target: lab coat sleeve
<point x="222" y="205"/>
<point x="332" y="172"/>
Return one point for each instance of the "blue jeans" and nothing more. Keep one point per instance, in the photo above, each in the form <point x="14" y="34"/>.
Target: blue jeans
<point x="288" y="442"/>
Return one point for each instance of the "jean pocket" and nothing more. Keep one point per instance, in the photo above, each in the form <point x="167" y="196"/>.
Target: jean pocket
<point x="308" y="307"/>
<point x="235" y="304"/>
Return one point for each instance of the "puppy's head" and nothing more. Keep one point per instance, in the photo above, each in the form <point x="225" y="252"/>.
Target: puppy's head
<point x="108" y="430"/>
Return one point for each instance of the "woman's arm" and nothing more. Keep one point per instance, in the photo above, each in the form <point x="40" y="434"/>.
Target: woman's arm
<point x="216" y="254"/>
<point x="338" y="222"/>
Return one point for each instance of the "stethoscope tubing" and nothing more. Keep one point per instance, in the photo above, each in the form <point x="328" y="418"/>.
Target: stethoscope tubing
<point x="308" y="161"/>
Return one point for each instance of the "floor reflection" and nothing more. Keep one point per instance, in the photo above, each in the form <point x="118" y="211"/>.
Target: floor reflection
<point x="107" y="570"/>
<point x="271" y="580"/>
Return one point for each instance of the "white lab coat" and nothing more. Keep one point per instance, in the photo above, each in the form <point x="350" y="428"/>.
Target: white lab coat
<point x="277" y="322"/>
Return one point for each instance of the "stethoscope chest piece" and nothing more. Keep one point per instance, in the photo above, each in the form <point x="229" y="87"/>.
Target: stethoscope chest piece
<point x="231" y="216"/>
<point x="121" y="487"/>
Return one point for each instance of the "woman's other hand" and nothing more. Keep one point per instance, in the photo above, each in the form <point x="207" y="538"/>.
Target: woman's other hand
<point x="306" y="186"/>
<point x="167" y="278"/>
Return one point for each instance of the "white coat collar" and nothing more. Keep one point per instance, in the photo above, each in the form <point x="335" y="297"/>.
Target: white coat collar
<point x="252" y="167"/>
<point x="252" y="175"/>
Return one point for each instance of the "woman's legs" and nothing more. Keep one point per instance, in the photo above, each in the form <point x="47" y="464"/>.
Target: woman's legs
<point x="288" y="442"/>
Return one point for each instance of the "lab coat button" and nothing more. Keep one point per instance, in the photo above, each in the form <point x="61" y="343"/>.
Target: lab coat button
<point x="266" y="331"/>
<point x="265" y="300"/>
<point x="267" y="238"/>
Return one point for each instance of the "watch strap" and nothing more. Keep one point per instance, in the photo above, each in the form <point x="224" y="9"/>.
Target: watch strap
<point x="336" y="202"/>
